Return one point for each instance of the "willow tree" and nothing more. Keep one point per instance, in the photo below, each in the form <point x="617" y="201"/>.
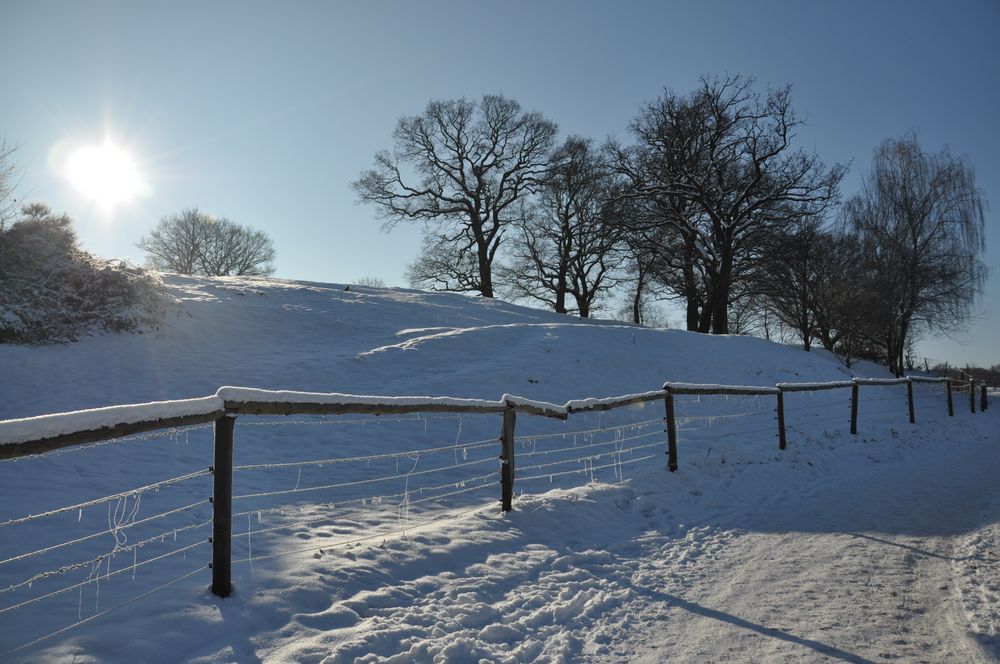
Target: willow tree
<point x="461" y="167"/>
<point x="920" y="224"/>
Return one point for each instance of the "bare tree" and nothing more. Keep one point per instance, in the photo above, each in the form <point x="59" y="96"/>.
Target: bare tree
<point x="788" y="277"/>
<point x="194" y="242"/>
<point x="234" y="250"/>
<point x="445" y="263"/>
<point x="727" y="152"/>
<point x="470" y="162"/>
<point x="566" y="248"/>
<point x="8" y="172"/>
<point x="370" y="282"/>
<point x="920" y="225"/>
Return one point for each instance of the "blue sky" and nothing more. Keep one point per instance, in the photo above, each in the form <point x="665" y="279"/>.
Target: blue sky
<point x="265" y="112"/>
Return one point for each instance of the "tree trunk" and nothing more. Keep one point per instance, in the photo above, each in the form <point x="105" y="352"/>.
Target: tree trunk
<point x="720" y="305"/>
<point x="691" y="288"/>
<point x="485" y="266"/>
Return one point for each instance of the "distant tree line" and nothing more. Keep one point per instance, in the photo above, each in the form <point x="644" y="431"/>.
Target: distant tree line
<point x="709" y="205"/>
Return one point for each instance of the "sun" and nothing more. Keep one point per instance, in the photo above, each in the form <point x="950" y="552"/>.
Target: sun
<point x="105" y="173"/>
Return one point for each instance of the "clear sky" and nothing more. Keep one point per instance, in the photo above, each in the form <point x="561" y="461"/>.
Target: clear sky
<point x="265" y="112"/>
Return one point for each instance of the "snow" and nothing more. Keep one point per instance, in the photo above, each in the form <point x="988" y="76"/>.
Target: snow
<point x="540" y="407"/>
<point x="715" y="387"/>
<point x="592" y="403"/>
<point x="380" y="539"/>
<point x="252" y="395"/>
<point x="881" y="381"/>
<point x="48" y="426"/>
<point x="829" y="385"/>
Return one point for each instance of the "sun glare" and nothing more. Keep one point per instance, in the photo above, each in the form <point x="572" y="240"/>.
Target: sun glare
<point x="105" y="173"/>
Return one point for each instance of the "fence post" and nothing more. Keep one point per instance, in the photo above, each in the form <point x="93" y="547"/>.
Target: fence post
<point x="782" y="442"/>
<point x="983" y="403"/>
<point x="507" y="459"/>
<point x="972" y="395"/>
<point x="671" y="432"/>
<point x="909" y="401"/>
<point x="854" y="408"/>
<point x="951" y="405"/>
<point x="222" y="507"/>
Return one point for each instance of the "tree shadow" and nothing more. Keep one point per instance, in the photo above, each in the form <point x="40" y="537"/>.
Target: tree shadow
<point x="691" y="607"/>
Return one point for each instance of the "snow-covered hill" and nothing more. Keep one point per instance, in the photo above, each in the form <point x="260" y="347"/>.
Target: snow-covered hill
<point x="856" y="548"/>
<point x="322" y="337"/>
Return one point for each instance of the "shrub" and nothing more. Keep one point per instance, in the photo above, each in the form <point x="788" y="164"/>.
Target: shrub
<point x="52" y="291"/>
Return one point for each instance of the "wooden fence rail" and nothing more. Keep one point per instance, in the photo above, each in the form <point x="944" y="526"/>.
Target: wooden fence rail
<point x="46" y="433"/>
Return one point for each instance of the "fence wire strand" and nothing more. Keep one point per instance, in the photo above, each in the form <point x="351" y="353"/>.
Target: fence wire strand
<point x="128" y="568"/>
<point x="371" y="457"/>
<point x="98" y="501"/>
<point x="104" y="612"/>
<point x="109" y="531"/>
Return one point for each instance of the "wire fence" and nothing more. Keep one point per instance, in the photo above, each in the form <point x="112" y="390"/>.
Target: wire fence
<point x="295" y="491"/>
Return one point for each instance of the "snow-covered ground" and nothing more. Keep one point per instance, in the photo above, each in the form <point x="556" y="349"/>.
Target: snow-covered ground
<point x="876" y="547"/>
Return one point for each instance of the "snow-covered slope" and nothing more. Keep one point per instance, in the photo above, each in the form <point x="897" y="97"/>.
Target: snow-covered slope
<point x="334" y="338"/>
<point x="381" y="539"/>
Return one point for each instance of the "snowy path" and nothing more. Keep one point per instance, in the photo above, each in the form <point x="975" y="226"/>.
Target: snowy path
<point x="885" y="570"/>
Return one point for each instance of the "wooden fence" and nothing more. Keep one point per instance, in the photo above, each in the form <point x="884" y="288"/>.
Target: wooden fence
<point x="38" y="435"/>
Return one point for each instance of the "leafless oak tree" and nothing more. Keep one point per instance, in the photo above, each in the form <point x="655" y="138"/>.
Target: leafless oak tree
<point x="565" y="246"/>
<point x="726" y="151"/>
<point x="462" y="165"/>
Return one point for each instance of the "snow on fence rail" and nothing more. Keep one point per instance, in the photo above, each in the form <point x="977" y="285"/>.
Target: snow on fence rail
<point x="37" y="435"/>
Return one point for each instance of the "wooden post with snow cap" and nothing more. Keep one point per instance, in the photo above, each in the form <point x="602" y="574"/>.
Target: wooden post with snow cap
<point x="972" y="395"/>
<point x="983" y="403"/>
<point x="782" y="441"/>
<point x="951" y="402"/>
<point x="909" y="401"/>
<point x="854" y="408"/>
<point x="222" y="507"/>
<point x="507" y="458"/>
<point x="671" y="431"/>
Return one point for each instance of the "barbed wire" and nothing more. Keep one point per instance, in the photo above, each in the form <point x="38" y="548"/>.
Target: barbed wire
<point x="370" y="457"/>
<point x="103" y="613"/>
<point x="130" y="568"/>
<point x="116" y="496"/>
<point x="582" y="432"/>
<point x="590" y="469"/>
<point x="590" y="457"/>
<point x="573" y="448"/>
<point x="373" y="480"/>
<point x="124" y="526"/>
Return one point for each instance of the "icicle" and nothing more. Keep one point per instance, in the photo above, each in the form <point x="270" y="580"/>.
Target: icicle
<point x="249" y="547"/>
<point x="79" y="515"/>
